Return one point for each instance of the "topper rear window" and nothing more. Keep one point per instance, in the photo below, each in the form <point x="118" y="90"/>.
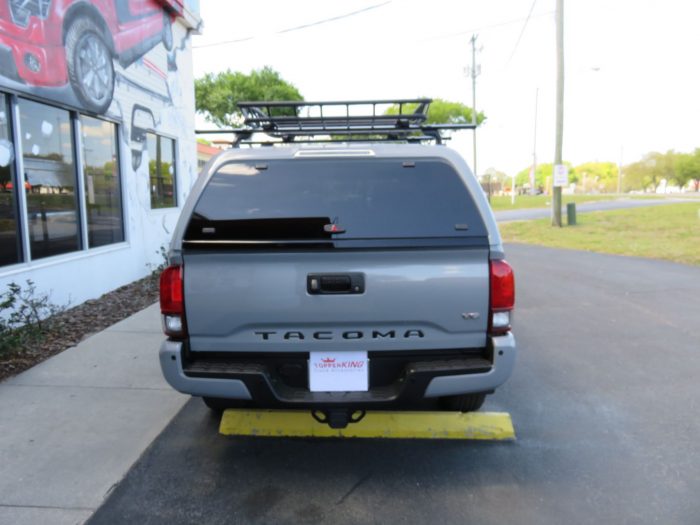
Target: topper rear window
<point x="335" y="199"/>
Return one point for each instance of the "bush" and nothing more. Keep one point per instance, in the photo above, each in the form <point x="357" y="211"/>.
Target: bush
<point x="157" y="269"/>
<point x="24" y="315"/>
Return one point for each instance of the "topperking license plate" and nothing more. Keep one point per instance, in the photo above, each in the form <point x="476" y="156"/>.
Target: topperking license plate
<point x="338" y="371"/>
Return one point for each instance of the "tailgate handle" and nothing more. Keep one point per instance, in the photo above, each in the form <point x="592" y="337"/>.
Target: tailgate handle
<point x="335" y="283"/>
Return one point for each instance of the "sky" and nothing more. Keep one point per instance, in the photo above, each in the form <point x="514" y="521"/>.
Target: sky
<point x="632" y="84"/>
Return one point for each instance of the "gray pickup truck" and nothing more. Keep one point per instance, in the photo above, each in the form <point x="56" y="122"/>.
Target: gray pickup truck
<point x="337" y="278"/>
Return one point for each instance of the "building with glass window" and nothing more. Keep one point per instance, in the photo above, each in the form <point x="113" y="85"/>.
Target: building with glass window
<point x="97" y="148"/>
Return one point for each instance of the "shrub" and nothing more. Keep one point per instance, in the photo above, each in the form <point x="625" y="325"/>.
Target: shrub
<point x="24" y="315"/>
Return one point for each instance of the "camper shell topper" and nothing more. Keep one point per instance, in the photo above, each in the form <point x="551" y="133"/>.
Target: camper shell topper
<point x="337" y="258"/>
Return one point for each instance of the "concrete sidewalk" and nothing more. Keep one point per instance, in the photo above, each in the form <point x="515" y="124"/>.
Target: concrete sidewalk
<point x="72" y="426"/>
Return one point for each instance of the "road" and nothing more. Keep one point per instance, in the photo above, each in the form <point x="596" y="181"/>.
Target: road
<point x="604" y="400"/>
<point x="544" y="213"/>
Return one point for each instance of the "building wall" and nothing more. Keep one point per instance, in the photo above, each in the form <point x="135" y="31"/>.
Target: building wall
<point x="44" y="60"/>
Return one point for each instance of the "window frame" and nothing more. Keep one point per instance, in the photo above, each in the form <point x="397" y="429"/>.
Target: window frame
<point x="81" y="175"/>
<point x="176" y="185"/>
<point x="21" y="204"/>
<point x="14" y="171"/>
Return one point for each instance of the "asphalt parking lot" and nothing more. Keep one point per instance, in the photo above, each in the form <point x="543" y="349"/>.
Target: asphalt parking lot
<point x="604" y="400"/>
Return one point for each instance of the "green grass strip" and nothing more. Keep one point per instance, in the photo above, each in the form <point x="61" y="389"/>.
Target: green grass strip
<point x="670" y="232"/>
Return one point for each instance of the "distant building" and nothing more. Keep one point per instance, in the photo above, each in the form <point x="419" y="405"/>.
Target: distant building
<point x="204" y="153"/>
<point x="96" y="139"/>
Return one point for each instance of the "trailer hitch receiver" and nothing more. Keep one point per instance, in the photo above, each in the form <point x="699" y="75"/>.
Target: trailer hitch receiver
<point x="338" y="417"/>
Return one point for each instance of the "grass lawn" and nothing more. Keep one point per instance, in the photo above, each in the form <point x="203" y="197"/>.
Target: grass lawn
<point x="660" y="232"/>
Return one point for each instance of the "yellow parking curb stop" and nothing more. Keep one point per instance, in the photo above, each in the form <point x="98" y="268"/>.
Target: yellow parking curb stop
<point x="496" y="426"/>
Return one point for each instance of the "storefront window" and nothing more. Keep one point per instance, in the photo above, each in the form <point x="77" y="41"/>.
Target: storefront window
<point x="10" y="251"/>
<point x="50" y="181"/>
<point x="103" y="201"/>
<point x="161" y="169"/>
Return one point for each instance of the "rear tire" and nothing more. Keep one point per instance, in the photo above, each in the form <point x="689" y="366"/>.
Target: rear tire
<point x="464" y="403"/>
<point x="217" y="404"/>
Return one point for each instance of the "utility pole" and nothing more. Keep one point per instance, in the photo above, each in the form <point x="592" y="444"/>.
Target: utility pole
<point x="474" y="73"/>
<point x="619" y="173"/>
<point x="534" y="145"/>
<point x="556" y="194"/>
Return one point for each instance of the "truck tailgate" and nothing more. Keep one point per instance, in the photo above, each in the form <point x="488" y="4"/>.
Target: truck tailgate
<point x="413" y="299"/>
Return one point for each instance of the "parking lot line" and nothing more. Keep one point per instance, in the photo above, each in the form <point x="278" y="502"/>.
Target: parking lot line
<point x="401" y="425"/>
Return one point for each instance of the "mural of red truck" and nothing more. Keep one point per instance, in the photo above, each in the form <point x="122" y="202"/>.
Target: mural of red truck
<point x="52" y="43"/>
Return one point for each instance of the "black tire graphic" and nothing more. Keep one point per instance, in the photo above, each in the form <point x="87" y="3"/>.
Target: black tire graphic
<point x="90" y="66"/>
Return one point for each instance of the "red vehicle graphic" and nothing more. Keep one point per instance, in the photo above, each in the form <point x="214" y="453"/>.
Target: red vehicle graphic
<point x="54" y="42"/>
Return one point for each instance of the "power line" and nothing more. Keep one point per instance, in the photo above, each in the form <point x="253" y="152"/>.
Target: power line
<point x="483" y="28"/>
<point x="297" y="28"/>
<point x="522" y="31"/>
<point x="333" y="19"/>
<point x="238" y="40"/>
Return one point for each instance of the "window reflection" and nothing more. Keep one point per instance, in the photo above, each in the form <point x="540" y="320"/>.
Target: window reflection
<point x="161" y="169"/>
<point x="102" y="189"/>
<point x="50" y="181"/>
<point x="10" y="250"/>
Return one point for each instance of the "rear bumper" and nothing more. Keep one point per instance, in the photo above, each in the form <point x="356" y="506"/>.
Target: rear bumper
<point x="420" y="380"/>
<point x="503" y="363"/>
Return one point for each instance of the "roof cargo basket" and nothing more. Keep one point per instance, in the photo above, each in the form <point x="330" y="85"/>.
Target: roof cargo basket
<point x="341" y="121"/>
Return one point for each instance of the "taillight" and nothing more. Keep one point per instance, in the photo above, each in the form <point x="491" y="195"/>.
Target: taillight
<point x="171" y="302"/>
<point x="502" y="297"/>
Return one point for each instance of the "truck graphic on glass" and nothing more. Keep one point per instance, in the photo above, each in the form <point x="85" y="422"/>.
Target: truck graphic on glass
<point x="52" y="43"/>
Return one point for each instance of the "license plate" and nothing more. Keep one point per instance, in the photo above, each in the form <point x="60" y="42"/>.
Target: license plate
<point x="338" y="371"/>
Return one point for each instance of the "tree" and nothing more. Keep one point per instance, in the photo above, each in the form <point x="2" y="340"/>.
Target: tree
<point x="217" y="96"/>
<point x="688" y="168"/>
<point x="665" y="166"/>
<point x="498" y="176"/>
<point x="650" y="171"/>
<point x="597" y="176"/>
<point x="498" y="180"/>
<point x="442" y="112"/>
<point x="542" y="174"/>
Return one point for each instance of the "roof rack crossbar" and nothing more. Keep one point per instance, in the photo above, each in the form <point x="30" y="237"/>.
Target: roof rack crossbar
<point x="342" y="132"/>
<point x="301" y="121"/>
<point x="412" y="139"/>
<point x="301" y="103"/>
<point x="346" y="119"/>
<point x="269" y="114"/>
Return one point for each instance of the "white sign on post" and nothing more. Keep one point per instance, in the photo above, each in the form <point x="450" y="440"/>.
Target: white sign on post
<point x="338" y="371"/>
<point x="561" y="175"/>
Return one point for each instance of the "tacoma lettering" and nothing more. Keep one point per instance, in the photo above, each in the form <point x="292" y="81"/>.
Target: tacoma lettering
<point x="327" y="335"/>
